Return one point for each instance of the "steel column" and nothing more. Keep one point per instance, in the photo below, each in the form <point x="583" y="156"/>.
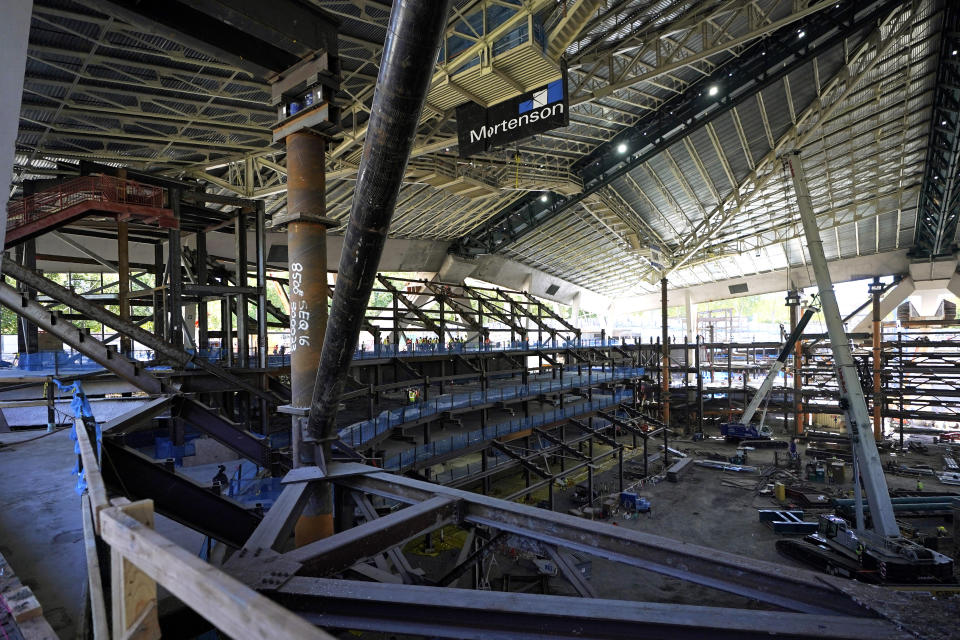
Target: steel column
<point x="203" y="327"/>
<point x="412" y="41"/>
<point x="175" y="275"/>
<point x="123" y="281"/>
<point x="876" y="288"/>
<point x="665" y="367"/>
<point x="240" y="261"/>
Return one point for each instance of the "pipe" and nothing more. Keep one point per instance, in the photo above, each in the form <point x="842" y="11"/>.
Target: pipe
<point x="409" y="54"/>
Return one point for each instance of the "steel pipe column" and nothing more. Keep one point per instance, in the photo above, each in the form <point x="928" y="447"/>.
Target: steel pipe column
<point x="410" y="51"/>
<point x="307" y="259"/>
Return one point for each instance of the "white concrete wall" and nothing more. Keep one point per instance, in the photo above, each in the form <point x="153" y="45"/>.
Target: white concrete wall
<point x="846" y="270"/>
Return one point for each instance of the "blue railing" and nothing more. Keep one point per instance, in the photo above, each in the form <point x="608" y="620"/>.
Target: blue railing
<point x="360" y="433"/>
<point x="73" y="361"/>
<point x="426" y="452"/>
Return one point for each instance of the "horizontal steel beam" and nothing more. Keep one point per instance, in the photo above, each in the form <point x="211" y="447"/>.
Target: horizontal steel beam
<point x="481" y="615"/>
<point x="342" y="550"/>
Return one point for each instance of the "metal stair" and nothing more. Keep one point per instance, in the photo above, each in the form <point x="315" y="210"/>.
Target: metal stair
<point x="69" y="201"/>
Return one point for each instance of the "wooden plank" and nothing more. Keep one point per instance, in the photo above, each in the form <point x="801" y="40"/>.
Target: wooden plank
<point x="28" y="614"/>
<point x="277" y="526"/>
<point x="134" y="593"/>
<point x="96" y="489"/>
<point x="23" y="604"/>
<point x="98" y="608"/>
<point x="232" y="607"/>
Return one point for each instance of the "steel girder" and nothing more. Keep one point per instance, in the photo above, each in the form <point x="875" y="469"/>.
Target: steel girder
<point x="767" y="62"/>
<point x="778" y="585"/>
<point x="464" y="613"/>
<point x="939" y="205"/>
<point x="820" y="606"/>
<point x="176" y="496"/>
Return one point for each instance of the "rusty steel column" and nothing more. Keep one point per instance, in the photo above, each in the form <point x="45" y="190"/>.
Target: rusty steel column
<point x="793" y="302"/>
<point x="876" y="288"/>
<point x="307" y="259"/>
<point x="665" y="359"/>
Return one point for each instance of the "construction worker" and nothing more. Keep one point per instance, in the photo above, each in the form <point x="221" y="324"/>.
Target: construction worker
<point x="941" y="531"/>
<point x="220" y="481"/>
<point x="919" y="484"/>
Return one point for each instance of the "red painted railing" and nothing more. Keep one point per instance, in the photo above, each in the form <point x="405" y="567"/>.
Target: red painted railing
<point x="88" y="188"/>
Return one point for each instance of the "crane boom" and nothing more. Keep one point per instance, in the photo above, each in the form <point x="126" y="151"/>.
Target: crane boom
<point x="777" y="366"/>
<point x="852" y="401"/>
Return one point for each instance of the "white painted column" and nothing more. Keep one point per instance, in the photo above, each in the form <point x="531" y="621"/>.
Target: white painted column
<point x="14" y="31"/>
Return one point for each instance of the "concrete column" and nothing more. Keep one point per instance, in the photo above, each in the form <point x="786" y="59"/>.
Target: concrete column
<point x="953" y="286"/>
<point x="575" y="304"/>
<point x="307" y="257"/>
<point x="927" y="301"/>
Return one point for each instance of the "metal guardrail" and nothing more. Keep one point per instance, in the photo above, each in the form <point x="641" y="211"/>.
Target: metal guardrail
<point x="79" y="190"/>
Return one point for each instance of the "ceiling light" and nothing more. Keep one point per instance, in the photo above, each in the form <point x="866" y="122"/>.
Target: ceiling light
<point x="543" y="197"/>
<point x="622" y="147"/>
<point x="801" y="33"/>
<point x="712" y="90"/>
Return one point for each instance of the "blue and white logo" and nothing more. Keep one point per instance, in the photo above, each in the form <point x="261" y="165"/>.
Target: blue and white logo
<point x="527" y="114"/>
<point x="543" y="97"/>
